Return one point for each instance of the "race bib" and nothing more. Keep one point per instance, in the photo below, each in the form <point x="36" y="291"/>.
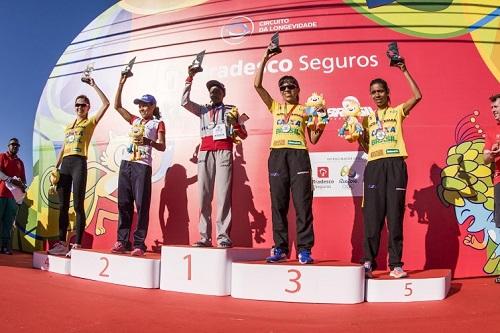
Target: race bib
<point x="219" y="132"/>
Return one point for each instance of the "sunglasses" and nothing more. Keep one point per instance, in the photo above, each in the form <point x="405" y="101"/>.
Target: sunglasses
<point x="289" y="86"/>
<point x="81" y="104"/>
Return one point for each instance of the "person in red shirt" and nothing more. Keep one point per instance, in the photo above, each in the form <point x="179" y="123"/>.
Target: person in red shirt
<point x="492" y="155"/>
<point x="11" y="173"/>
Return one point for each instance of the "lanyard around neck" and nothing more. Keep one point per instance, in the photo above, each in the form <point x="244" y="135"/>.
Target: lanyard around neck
<point x="287" y="116"/>
<point x="213" y="115"/>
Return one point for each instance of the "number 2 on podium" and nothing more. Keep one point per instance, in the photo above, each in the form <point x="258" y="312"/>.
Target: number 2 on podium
<point x="188" y="257"/>
<point x="106" y="264"/>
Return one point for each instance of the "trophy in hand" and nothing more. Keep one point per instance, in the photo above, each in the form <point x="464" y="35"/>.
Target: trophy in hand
<point x="274" y="45"/>
<point x="393" y="54"/>
<point x="127" y="71"/>
<point x="196" y="65"/>
<point x="86" y="77"/>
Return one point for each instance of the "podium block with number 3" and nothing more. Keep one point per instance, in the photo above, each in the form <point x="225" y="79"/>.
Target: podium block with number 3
<point x="323" y="282"/>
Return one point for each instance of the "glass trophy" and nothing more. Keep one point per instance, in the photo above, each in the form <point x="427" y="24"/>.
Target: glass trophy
<point x="274" y="45"/>
<point x="127" y="71"/>
<point x="196" y="65"/>
<point x="86" y="77"/>
<point x="393" y="54"/>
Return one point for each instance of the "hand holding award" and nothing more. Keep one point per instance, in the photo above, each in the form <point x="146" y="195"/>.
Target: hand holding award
<point x="127" y="71"/>
<point x="86" y="77"/>
<point x="393" y="55"/>
<point x="195" y="67"/>
<point x="274" y="46"/>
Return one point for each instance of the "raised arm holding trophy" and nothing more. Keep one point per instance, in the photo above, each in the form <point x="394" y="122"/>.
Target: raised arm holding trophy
<point x="393" y="54"/>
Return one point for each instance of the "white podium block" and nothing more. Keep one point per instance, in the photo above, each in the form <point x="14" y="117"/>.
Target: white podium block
<point x="55" y="264"/>
<point x="124" y="269"/>
<point x="205" y="271"/>
<point x="430" y="285"/>
<point x="321" y="282"/>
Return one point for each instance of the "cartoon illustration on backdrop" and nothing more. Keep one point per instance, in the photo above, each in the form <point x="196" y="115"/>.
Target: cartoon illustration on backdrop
<point x="466" y="184"/>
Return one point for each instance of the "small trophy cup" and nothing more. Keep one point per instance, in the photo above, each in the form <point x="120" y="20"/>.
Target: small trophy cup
<point x="393" y="54"/>
<point x="196" y="65"/>
<point x="274" y="45"/>
<point x="128" y="69"/>
<point x="86" y="77"/>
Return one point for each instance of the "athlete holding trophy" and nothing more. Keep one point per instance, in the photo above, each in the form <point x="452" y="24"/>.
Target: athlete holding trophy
<point x="134" y="179"/>
<point x="71" y="166"/>
<point x="289" y="164"/>
<point x="385" y="177"/>
<point x="220" y="124"/>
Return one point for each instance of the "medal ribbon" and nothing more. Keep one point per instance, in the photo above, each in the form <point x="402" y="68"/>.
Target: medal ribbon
<point x="213" y="115"/>
<point x="287" y="117"/>
<point x="380" y="122"/>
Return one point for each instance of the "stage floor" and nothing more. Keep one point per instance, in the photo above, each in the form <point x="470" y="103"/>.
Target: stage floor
<point x="36" y="301"/>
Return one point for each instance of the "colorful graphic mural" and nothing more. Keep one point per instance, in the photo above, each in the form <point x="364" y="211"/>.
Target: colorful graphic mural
<point x="335" y="48"/>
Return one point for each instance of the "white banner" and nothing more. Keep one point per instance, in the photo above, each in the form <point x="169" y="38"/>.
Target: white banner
<point x="338" y="174"/>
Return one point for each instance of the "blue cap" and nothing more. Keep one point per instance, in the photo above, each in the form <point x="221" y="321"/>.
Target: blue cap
<point x="146" y="99"/>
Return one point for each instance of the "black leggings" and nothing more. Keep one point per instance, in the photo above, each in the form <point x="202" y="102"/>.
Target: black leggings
<point x="73" y="172"/>
<point x="385" y="182"/>
<point x="290" y="170"/>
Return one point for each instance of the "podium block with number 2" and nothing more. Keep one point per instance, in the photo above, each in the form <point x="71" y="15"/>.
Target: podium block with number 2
<point x="143" y="272"/>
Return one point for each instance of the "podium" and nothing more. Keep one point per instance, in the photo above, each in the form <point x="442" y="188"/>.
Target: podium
<point x="321" y="282"/>
<point x="55" y="264"/>
<point x="429" y="285"/>
<point x="123" y="269"/>
<point x="205" y="271"/>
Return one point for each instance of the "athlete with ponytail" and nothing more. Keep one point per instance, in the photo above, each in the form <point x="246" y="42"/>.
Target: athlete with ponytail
<point x="134" y="180"/>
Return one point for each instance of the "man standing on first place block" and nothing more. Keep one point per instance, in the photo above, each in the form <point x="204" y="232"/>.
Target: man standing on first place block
<point x="218" y="121"/>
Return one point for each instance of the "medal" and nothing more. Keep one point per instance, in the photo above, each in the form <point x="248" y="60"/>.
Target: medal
<point x="211" y="124"/>
<point x="380" y="134"/>
<point x="285" y="128"/>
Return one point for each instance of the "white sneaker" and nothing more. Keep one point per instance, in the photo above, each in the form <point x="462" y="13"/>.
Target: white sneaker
<point x="73" y="247"/>
<point x="59" y="249"/>
<point x="398" y="273"/>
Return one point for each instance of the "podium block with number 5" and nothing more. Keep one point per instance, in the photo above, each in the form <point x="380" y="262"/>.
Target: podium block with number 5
<point x="205" y="271"/>
<point x="322" y="282"/>
<point x="55" y="264"/>
<point x="430" y="285"/>
<point x="142" y="272"/>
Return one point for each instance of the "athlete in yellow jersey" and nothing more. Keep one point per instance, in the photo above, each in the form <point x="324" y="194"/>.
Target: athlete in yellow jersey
<point x="385" y="176"/>
<point x="289" y="166"/>
<point x="72" y="161"/>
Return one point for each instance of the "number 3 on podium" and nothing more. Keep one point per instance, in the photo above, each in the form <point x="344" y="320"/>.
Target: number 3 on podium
<point x="295" y="280"/>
